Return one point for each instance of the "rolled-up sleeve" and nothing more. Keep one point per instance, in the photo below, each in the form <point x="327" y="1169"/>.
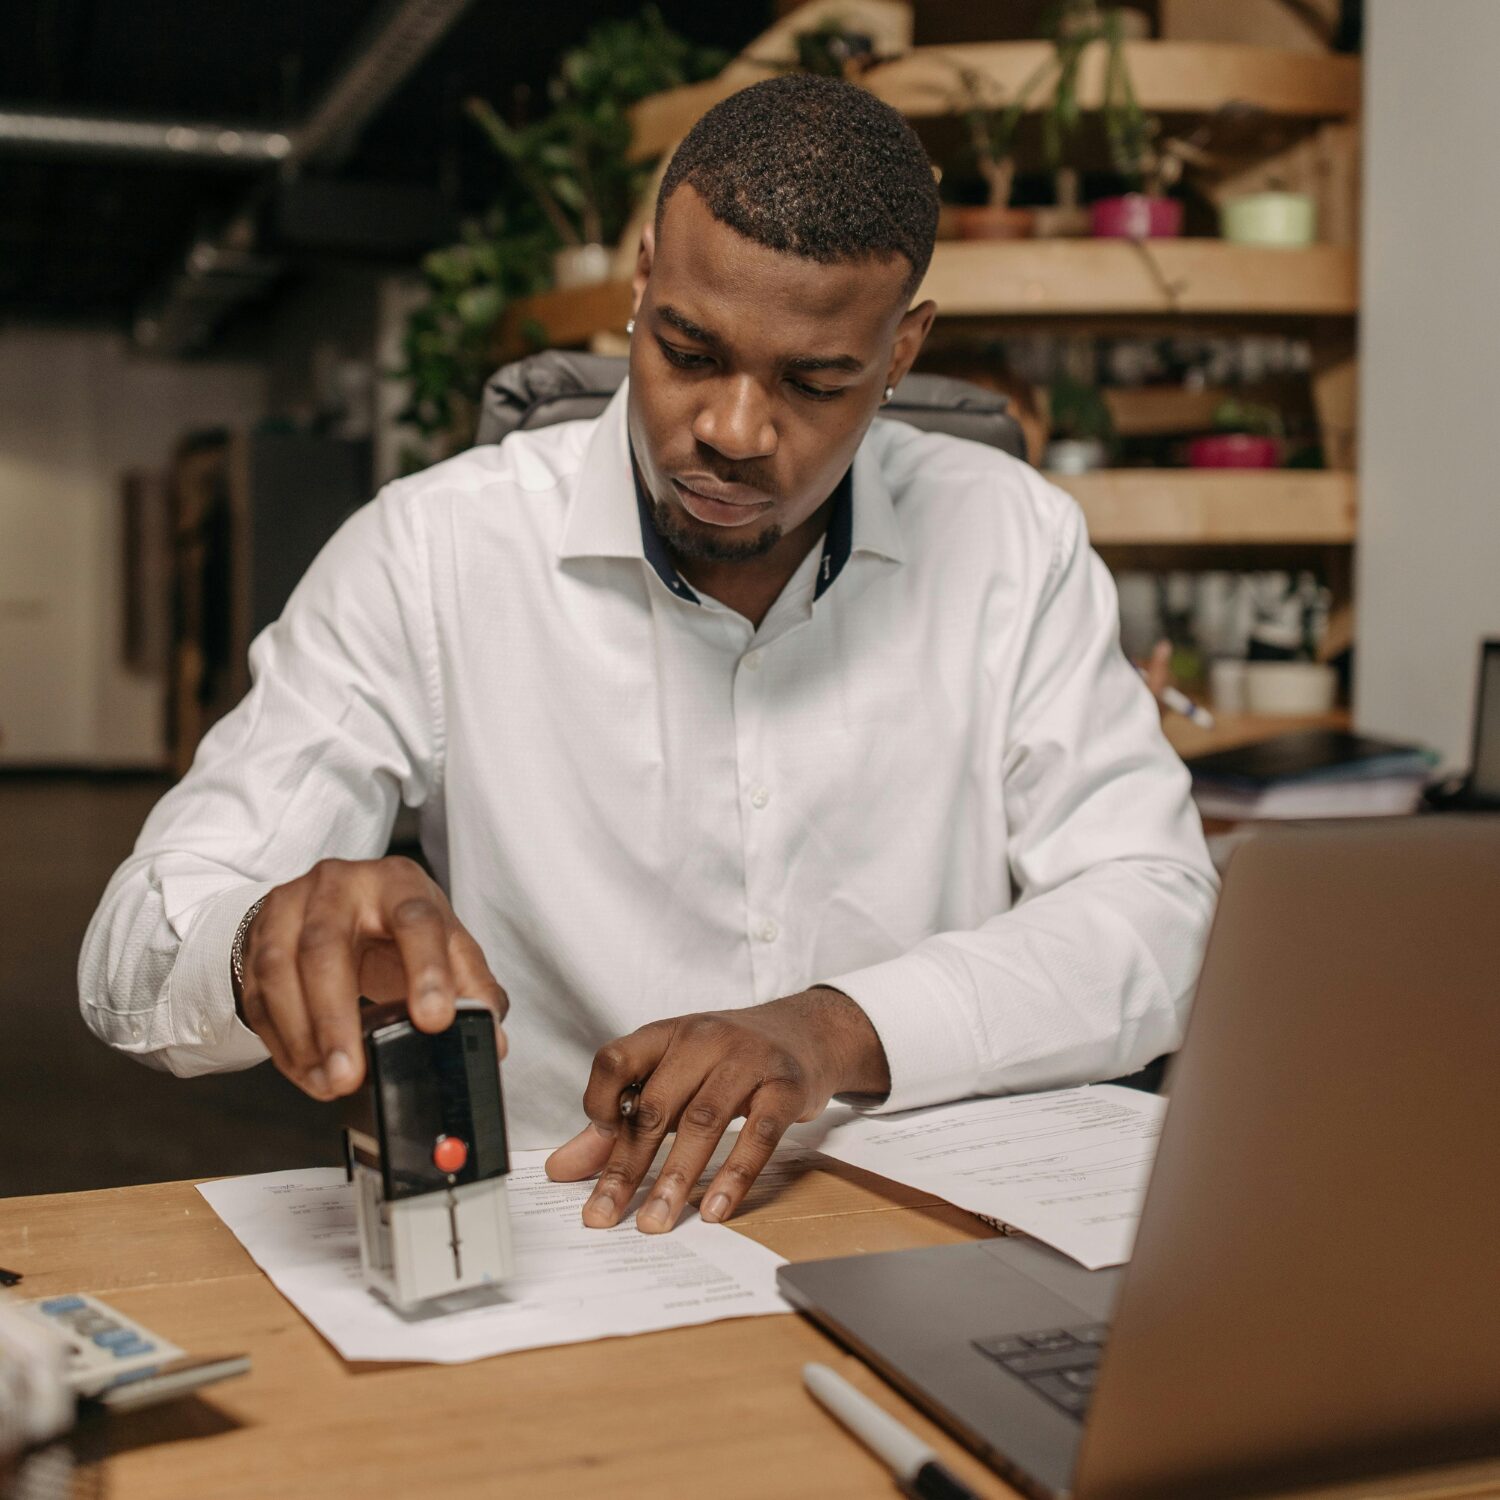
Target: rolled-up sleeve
<point x="1089" y="974"/>
<point x="342" y="723"/>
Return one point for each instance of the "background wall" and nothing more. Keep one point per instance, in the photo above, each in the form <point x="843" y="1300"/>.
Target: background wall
<point x="1429" y="550"/>
<point x="76" y="411"/>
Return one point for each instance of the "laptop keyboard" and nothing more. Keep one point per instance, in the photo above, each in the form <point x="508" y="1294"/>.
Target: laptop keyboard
<point x="1061" y="1364"/>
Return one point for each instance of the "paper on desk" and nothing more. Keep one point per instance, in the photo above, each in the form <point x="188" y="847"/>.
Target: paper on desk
<point x="1068" y="1167"/>
<point x="574" y="1283"/>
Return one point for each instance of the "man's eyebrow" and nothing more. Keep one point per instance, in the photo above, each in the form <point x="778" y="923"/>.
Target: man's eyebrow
<point x="826" y="362"/>
<point x="685" y="324"/>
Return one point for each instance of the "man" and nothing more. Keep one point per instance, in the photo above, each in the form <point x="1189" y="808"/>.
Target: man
<point x="782" y="752"/>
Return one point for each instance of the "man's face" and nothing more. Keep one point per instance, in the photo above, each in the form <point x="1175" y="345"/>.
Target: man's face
<point x="753" y="376"/>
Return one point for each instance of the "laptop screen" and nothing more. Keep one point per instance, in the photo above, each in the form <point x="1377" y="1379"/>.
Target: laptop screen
<point x="1486" y="779"/>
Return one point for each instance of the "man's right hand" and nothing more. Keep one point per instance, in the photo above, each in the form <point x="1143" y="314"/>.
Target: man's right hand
<point x="381" y="928"/>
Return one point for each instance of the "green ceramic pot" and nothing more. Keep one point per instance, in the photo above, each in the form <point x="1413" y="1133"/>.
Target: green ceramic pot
<point x="1270" y="219"/>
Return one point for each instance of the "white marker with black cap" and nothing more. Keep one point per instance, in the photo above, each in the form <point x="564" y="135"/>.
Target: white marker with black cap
<point x="914" y="1464"/>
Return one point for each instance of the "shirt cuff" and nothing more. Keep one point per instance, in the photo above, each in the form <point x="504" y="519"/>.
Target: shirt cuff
<point x="208" y="1035"/>
<point x="930" y="1048"/>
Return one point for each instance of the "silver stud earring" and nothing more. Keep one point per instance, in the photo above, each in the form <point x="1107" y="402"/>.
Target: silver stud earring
<point x="630" y="326"/>
<point x="890" y="391"/>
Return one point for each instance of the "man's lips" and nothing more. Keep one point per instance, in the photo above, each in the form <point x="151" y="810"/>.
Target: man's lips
<point x="719" y="504"/>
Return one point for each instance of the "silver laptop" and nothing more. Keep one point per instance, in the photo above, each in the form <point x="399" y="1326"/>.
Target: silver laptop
<point x="1315" y="1290"/>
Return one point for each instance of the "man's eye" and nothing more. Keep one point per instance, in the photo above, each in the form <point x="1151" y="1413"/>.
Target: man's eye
<point x="682" y="358"/>
<point x="817" y="392"/>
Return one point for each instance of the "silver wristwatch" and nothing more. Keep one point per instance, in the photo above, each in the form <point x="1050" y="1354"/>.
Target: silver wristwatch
<point x="237" y="948"/>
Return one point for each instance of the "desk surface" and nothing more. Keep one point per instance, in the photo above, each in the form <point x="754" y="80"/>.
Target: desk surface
<point x="717" y="1410"/>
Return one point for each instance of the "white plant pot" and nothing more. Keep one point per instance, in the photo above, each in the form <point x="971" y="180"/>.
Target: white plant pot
<point x="580" y="265"/>
<point x="1075" y="455"/>
<point x="1289" y="687"/>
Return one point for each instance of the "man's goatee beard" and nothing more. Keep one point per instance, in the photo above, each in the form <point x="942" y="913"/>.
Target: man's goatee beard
<point x="701" y="546"/>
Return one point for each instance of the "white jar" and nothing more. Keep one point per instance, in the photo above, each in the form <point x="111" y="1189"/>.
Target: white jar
<point x="1289" y="687"/>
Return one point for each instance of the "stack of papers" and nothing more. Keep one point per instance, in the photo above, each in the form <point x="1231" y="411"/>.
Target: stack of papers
<point x="1069" y="1167"/>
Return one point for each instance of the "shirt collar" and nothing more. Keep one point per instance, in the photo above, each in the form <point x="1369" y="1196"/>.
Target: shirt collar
<point x="608" y="515"/>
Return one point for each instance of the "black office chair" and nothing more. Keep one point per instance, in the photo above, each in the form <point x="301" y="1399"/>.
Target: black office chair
<point x="561" y="386"/>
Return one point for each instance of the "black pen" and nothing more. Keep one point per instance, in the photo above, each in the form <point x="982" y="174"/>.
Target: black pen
<point x="914" y="1464"/>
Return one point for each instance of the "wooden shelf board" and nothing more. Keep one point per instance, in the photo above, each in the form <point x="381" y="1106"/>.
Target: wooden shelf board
<point x="1168" y="77"/>
<point x="978" y="278"/>
<point x="1024" y="278"/>
<point x="1214" y="507"/>
<point x="567" y="317"/>
<point x="1229" y="730"/>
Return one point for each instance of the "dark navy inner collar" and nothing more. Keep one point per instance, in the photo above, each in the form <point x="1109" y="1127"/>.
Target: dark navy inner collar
<point x="838" y="540"/>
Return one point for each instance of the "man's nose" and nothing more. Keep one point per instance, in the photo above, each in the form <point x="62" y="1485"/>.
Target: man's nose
<point x="736" y="420"/>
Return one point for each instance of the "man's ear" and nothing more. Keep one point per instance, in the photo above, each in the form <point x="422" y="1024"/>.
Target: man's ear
<point x="642" y="274"/>
<point x="911" y="334"/>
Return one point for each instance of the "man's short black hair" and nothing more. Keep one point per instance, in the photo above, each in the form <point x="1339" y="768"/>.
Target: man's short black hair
<point x="814" y="167"/>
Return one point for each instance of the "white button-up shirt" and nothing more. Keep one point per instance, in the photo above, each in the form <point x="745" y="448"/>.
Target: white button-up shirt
<point x="930" y="780"/>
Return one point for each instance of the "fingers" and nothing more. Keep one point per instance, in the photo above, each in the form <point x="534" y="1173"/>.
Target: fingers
<point x="700" y="1128"/>
<point x="673" y="1082"/>
<point x="330" y="986"/>
<point x="414" y="914"/>
<point x="474" y="981"/>
<point x="1159" y="668"/>
<point x="310" y="941"/>
<point x="583" y="1156"/>
<point x="272" y="997"/>
<point x="630" y="1059"/>
<point x="774" y="1108"/>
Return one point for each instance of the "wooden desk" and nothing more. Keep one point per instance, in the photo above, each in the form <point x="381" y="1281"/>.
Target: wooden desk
<point x="717" y="1410"/>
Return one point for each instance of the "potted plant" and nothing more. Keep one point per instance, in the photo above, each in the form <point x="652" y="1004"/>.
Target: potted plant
<point x="1082" y="430"/>
<point x="992" y="124"/>
<point x="1248" y="436"/>
<point x="1132" y="134"/>
<point x="574" y="161"/>
<point x="571" y="182"/>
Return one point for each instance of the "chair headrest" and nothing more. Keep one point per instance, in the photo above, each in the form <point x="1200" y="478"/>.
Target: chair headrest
<point x="560" y="385"/>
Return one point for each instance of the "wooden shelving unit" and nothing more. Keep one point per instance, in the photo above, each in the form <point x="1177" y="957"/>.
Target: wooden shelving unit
<point x="1169" y="78"/>
<point x="1139" y="518"/>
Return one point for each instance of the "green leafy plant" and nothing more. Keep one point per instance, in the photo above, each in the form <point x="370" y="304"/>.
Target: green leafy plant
<point x="992" y="123"/>
<point x="574" y="160"/>
<point x="570" y="182"/>
<point x="447" y="344"/>
<point x="1078" y="410"/>
<point x="1252" y="417"/>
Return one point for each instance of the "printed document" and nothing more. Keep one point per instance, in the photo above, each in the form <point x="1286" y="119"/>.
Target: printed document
<point x="1067" y="1167"/>
<point x="573" y="1284"/>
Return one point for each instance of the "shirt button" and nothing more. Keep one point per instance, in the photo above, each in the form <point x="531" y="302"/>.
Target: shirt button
<point x="759" y="797"/>
<point x="205" y="1029"/>
<point x="769" y="932"/>
<point x="751" y="661"/>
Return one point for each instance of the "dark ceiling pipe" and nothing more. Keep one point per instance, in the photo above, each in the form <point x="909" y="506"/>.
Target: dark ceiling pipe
<point x="216" y="274"/>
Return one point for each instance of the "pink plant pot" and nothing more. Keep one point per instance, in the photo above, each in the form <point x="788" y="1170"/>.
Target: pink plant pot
<point x="1136" y="217"/>
<point x="1234" y="450"/>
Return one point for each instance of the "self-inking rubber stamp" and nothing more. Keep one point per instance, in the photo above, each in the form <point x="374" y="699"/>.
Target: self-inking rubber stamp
<point x="430" y="1182"/>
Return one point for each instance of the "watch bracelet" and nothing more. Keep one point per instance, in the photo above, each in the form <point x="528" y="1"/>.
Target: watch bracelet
<point x="237" y="947"/>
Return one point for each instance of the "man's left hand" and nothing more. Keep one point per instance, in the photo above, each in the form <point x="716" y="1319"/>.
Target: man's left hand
<point x="774" y="1064"/>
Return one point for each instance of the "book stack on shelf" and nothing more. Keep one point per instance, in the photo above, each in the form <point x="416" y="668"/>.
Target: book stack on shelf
<point x="1312" y="773"/>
